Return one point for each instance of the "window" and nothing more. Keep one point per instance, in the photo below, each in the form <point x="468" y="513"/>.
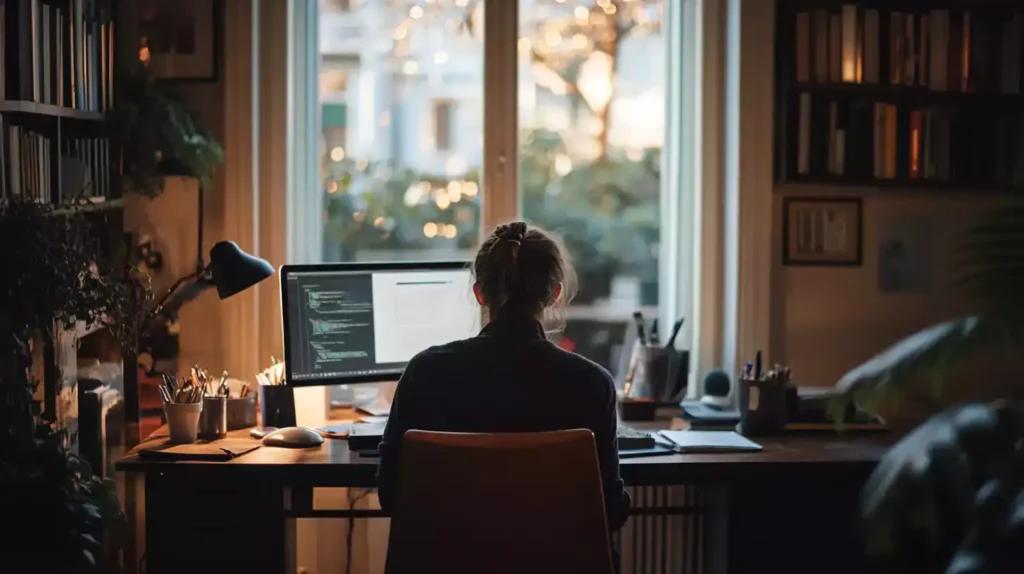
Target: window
<point x="402" y="186"/>
<point x="591" y="128"/>
<point x="402" y="146"/>
<point x="329" y="6"/>
<point x="442" y="117"/>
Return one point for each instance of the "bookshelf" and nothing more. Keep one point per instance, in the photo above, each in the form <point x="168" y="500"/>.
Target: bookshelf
<point x="56" y="86"/>
<point x="58" y="147"/>
<point x="912" y="94"/>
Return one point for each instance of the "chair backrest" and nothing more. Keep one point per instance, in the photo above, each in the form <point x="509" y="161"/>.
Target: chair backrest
<point x="499" y="503"/>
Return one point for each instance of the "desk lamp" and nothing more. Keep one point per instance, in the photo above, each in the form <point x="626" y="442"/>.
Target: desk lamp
<point x="231" y="271"/>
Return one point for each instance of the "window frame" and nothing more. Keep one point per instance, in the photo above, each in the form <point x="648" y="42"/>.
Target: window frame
<point x="690" y="267"/>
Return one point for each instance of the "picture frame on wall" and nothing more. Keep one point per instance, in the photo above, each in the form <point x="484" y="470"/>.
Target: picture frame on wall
<point x="822" y="231"/>
<point x="178" y="39"/>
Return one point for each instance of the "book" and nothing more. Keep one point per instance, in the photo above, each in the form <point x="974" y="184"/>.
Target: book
<point x="697" y="441"/>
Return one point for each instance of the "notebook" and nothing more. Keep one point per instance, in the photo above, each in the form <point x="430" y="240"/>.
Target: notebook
<point x="223" y="449"/>
<point x="710" y="441"/>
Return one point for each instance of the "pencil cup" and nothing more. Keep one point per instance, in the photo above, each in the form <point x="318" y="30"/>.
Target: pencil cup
<point x="213" y="423"/>
<point x="762" y="407"/>
<point x="277" y="406"/>
<point x="242" y="412"/>
<point x="183" y="421"/>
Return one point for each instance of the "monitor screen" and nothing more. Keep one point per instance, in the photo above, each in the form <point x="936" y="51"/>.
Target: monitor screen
<point x="351" y="323"/>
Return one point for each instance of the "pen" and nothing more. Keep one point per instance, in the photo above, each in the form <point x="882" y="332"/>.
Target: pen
<point x="654" y="331"/>
<point x="638" y="319"/>
<point x="675" y="332"/>
<point x="757" y="366"/>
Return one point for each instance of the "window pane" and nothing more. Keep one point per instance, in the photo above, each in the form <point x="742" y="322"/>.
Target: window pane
<point x="401" y="92"/>
<point x="591" y="128"/>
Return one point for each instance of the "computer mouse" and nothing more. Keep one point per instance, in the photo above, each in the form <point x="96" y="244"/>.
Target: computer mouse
<point x="293" y="437"/>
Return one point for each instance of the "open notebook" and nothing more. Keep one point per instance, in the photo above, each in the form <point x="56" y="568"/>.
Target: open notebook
<point x="223" y="449"/>
<point x="710" y="441"/>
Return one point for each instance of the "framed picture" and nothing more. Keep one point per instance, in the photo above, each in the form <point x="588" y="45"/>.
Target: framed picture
<point x="824" y="231"/>
<point x="179" y="38"/>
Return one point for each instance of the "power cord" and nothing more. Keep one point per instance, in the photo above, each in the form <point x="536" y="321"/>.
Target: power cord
<point x="351" y="525"/>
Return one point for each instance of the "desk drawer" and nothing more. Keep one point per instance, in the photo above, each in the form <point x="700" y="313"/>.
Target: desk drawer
<point x="216" y="506"/>
<point x="197" y="528"/>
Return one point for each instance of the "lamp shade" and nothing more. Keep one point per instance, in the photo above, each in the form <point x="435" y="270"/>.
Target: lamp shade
<point x="234" y="270"/>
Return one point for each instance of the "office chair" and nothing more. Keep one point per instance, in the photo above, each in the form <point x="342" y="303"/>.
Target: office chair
<point x="499" y="503"/>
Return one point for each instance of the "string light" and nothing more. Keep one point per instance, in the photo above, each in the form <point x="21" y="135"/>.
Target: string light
<point x="442" y="201"/>
<point x="415" y="12"/>
<point x="454" y="191"/>
<point x="430" y="229"/>
<point x="412" y="196"/>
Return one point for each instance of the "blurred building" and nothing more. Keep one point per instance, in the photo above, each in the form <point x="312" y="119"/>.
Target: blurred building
<point x="409" y="90"/>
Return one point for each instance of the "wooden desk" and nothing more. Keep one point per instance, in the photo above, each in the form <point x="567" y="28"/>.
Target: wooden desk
<point x="790" y="508"/>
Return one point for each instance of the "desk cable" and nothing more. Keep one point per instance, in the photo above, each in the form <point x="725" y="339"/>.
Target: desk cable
<point x="351" y="525"/>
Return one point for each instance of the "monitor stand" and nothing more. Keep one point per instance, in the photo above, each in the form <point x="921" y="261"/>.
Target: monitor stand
<point x="380" y="404"/>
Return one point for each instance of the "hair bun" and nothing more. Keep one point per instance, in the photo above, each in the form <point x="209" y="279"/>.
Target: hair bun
<point x="515" y="231"/>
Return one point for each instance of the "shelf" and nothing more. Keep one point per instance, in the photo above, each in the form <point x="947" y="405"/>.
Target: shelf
<point x="890" y="186"/>
<point x="94" y="204"/>
<point x="82" y="330"/>
<point x="37" y="109"/>
<point x="913" y="95"/>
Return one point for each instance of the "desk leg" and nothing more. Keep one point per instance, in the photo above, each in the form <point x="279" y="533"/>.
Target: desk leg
<point x="716" y="540"/>
<point x="135" y="512"/>
<point x="296" y="499"/>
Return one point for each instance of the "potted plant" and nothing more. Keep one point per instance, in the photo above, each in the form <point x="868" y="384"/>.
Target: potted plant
<point x="949" y="497"/>
<point x="62" y="515"/>
<point x="159" y="135"/>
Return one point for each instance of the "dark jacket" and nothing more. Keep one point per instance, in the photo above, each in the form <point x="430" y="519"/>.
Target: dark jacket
<point x="509" y="378"/>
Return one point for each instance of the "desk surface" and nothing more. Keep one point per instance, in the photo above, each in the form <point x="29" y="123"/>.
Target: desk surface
<point x="333" y="464"/>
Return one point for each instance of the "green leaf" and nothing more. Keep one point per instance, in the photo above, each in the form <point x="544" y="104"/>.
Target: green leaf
<point x="927" y="353"/>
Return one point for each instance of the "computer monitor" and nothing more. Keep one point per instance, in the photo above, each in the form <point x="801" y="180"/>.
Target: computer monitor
<point x="350" y="323"/>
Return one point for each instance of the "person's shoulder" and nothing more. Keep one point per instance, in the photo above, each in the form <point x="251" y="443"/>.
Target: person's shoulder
<point x="583" y="367"/>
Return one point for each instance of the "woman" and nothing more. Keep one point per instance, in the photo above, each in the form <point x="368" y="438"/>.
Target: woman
<point x="490" y="383"/>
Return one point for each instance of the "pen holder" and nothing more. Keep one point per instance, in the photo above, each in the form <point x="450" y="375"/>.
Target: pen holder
<point x="242" y="412"/>
<point x="183" y="421"/>
<point x="762" y="406"/>
<point x="213" y="423"/>
<point x="277" y="406"/>
<point x="633" y="410"/>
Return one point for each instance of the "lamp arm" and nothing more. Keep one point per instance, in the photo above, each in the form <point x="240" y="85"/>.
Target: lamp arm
<point x="199" y="274"/>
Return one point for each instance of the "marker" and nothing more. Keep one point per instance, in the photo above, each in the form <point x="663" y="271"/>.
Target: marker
<point x="757" y="366"/>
